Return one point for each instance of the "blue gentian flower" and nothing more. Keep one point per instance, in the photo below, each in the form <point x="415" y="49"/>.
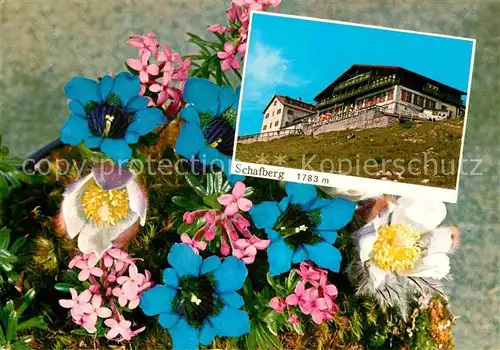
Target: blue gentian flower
<point x="109" y="114"/>
<point x="207" y="136"/>
<point x="302" y="227"/>
<point x="198" y="300"/>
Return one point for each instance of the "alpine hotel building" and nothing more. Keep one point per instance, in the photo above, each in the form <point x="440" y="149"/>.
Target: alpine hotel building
<point x="392" y="88"/>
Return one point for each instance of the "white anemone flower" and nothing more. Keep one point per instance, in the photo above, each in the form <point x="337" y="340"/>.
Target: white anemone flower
<point x="101" y="206"/>
<point x="403" y="250"/>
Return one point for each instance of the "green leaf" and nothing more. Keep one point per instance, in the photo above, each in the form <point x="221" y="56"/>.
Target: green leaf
<point x="210" y="184"/>
<point x="7" y="257"/>
<point x="64" y="287"/>
<point x="4" y="188"/>
<point x="80" y="331"/>
<point x="35" y="322"/>
<point x="3" y="340"/>
<point x="18" y="243"/>
<point x="6" y="266"/>
<point x="248" y="191"/>
<point x="21" y="345"/>
<point x="27" y="300"/>
<point x="184" y="203"/>
<point x="218" y="182"/>
<point x="4" y="238"/>
<point x="196" y="185"/>
<point x="212" y="202"/>
<point x="12" y="326"/>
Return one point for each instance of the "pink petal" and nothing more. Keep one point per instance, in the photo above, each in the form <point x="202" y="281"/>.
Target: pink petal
<point x="223" y="55"/>
<point x="292" y="299"/>
<point x="113" y="332"/>
<point x="249" y="259"/>
<point x="133" y="303"/>
<point x="225" y="199"/>
<point x="231" y="209"/>
<point x="262" y="244"/>
<point x="241" y="243"/>
<point x="143" y="76"/>
<point x="84" y="275"/>
<point x="251" y="251"/>
<point x="321" y="304"/>
<point x="68" y="304"/>
<point x="238" y="253"/>
<point x="153" y="69"/>
<point x="84" y="297"/>
<point x="229" y="48"/>
<point x="239" y="190"/>
<point x="331" y="290"/>
<point x="74" y="293"/>
<point x="133" y="272"/>
<point x="86" y="308"/>
<point x="117" y="291"/>
<point x="122" y="279"/>
<point x="130" y="288"/>
<point x="111" y="323"/>
<point x="103" y="312"/>
<point x="122" y="300"/>
<point x="96" y="300"/>
<point x="244" y="204"/>
<point x="186" y="239"/>
<point x="235" y="63"/>
<point x="226" y="65"/>
<point x="317" y="317"/>
<point x="96" y="271"/>
<point x="134" y="64"/>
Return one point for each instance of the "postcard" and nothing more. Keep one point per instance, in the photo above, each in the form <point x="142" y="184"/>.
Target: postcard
<point x="347" y="105"/>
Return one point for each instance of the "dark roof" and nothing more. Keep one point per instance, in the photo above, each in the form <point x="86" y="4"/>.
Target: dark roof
<point x="292" y="102"/>
<point x="370" y="66"/>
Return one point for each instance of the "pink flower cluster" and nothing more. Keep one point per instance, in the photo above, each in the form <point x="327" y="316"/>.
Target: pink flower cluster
<point x="231" y="224"/>
<point x="165" y="77"/>
<point x="239" y="19"/>
<point x="115" y="284"/>
<point x="313" y="295"/>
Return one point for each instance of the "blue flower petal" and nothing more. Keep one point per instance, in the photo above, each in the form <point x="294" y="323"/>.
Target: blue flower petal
<point x="190" y="141"/>
<point x="329" y="236"/>
<point x="126" y="86"/>
<point x="157" y="300"/>
<point x="190" y="115"/>
<point x="117" y="149"/>
<point x="184" y="337"/>
<point x="168" y="319"/>
<point x="272" y="234"/>
<point x="299" y="255"/>
<point x="336" y="214"/>
<point x="301" y="194"/>
<point x="203" y="94"/>
<point x="232" y="299"/>
<point x="93" y="141"/>
<point x="184" y="260"/>
<point x="105" y="86"/>
<point x="279" y="256"/>
<point x="284" y="203"/>
<point x="237" y="92"/>
<point x="131" y="137"/>
<point x="146" y="120"/>
<point x="83" y="90"/>
<point x="231" y="322"/>
<point x="319" y="203"/>
<point x="231" y="275"/>
<point x="171" y="278"/>
<point x="324" y="255"/>
<point x="77" y="108"/>
<point x="137" y="103"/>
<point x="211" y="156"/>
<point x="207" y="333"/>
<point x="234" y="178"/>
<point x="265" y="214"/>
<point x="210" y="264"/>
<point x="75" y="130"/>
<point x="226" y="98"/>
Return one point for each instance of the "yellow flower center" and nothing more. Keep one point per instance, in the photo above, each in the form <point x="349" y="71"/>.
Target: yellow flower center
<point x="103" y="207"/>
<point x="107" y="126"/>
<point x="216" y="143"/>
<point x="396" y="247"/>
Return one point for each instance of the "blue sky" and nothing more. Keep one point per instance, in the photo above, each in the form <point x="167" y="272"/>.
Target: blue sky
<point x="299" y="58"/>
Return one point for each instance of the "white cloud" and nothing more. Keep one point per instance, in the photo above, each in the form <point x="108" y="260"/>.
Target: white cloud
<point x="267" y="69"/>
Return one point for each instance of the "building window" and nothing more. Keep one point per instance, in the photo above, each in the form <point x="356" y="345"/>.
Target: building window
<point x="279" y="111"/>
<point x="290" y="112"/>
<point x="287" y="123"/>
<point x="391" y="94"/>
<point x="430" y="104"/>
<point x="275" y="101"/>
<point x="270" y="125"/>
<point x="406" y="96"/>
<point x="419" y="100"/>
<point x="265" y="127"/>
<point x="267" y="115"/>
<point x="273" y="113"/>
<point x="276" y="124"/>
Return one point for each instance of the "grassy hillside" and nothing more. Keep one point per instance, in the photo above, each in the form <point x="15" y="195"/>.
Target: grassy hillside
<point x="425" y="153"/>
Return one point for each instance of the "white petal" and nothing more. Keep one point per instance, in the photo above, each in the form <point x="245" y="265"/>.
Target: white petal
<point x="138" y="200"/>
<point x="437" y="241"/>
<point x="423" y="216"/>
<point x="97" y="239"/>
<point x="352" y="194"/>
<point x="383" y="217"/>
<point x="366" y="236"/>
<point x="435" y="266"/>
<point x="71" y="207"/>
<point x="377" y="274"/>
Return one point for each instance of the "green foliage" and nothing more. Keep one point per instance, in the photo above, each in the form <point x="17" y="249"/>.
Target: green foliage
<point x="407" y="124"/>
<point x="12" y="322"/>
<point x="8" y="256"/>
<point x="10" y="175"/>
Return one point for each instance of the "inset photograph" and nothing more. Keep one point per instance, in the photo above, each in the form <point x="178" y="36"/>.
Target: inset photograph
<point x="349" y="105"/>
